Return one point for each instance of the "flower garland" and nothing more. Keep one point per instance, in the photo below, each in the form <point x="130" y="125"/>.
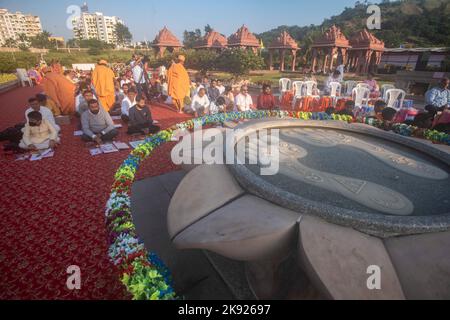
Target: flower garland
<point x="144" y="275"/>
<point x="409" y="131"/>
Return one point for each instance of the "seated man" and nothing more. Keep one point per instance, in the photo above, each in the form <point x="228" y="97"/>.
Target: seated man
<point x="141" y="118"/>
<point x="97" y="124"/>
<point x="39" y="133"/>
<point x="388" y="114"/>
<point x="229" y="99"/>
<point x="380" y="105"/>
<point x="438" y="98"/>
<point x="213" y="91"/>
<point x="200" y="104"/>
<point x="218" y="106"/>
<point x="244" y="101"/>
<point x="266" y="100"/>
<point x="45" y="112"/>
<point x="220" y="86"/>
<point x="88" y="95"/>
<point x="45" y="101"/>
<point x="348" y="110"/>
<point x="128" y="102"/>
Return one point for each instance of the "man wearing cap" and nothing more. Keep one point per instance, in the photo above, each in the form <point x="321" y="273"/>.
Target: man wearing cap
<point x="103" y="80"/>
<point x="60" y="90"/>
<point x="179" y="83"/>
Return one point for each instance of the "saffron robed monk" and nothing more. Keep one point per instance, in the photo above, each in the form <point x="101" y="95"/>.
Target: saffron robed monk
<point x="103" y="80"/>
<point x="179" y="83"/>
<point x="60" y="90"/>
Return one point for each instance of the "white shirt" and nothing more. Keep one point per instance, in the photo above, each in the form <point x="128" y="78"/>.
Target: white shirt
<point x="138" y="74"/>
<point x="126" y="81"/>
<point x="243" y="102"/>
<point x="78" y="100"/>
<point x="165" y="89"/>
<point x="214" y="108"/>
<point x="221" y="89"/>
<point x="46" y="114"/>
<point x="199" y="102"/>
<point x="126" y="105"/>
<point x="198" y="89"/>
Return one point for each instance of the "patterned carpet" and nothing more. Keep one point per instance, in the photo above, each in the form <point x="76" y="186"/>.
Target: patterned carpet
<point x="52" y="212"/>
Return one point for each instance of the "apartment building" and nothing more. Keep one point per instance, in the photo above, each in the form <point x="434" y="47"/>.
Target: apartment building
<point x="14" y="24"/>
<point x="95" y="26"/>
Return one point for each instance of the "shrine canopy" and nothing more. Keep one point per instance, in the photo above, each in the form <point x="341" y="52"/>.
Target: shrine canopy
<point x="366" y="52"/>
<point x="166" y="40"/>
<point x="284" y="41"/>
<point x="364" y="40"/>
<point x="213" y="40"/>
<point x="333" y="37"/>
<point x="243" y="38"/>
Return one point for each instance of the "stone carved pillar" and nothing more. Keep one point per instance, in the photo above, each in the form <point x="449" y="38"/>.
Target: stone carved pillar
<point x="294" y="59"/>
<point x="270" y="59"/>
<point x="161" y="52"/>
<point x="325" y="62"/>
<point x="332" y="54"/>
<point x="314" y="61"/>
<point x="282" y="59"/>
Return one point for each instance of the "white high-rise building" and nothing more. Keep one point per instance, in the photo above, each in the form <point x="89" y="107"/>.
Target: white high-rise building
<point x="95" y="26"/>
<point x="14" y="24"/>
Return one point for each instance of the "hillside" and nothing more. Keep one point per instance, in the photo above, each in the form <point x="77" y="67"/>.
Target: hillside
<point x="419" y="23"/>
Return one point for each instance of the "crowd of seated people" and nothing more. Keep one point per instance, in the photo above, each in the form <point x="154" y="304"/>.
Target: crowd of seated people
<point x="136" y="86"/>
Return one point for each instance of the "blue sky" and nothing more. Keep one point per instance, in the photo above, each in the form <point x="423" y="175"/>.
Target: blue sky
<point x="145" y="17"/>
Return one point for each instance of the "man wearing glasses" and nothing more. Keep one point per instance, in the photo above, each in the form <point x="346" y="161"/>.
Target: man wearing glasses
<point x="244" y="101"/>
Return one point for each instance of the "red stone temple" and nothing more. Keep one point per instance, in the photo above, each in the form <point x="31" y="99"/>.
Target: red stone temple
<point x="284" y="42"/>
<point x="366" y="52"/>
<point x="244" y="39"/>
<point x="213" y="40"/>
<point x="166" y="40"/>
<point x="332" y="46"/>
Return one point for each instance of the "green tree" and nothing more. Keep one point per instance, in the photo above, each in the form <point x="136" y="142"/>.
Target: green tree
<point x="123" y="35"/>
<point x="11" y="43"/>
<point x="41" y="41"/>
<point x="208" y="28"/>
<point x="239" y="62"/>
<point x="191" y="38"/>
<point x="202" y="60"/>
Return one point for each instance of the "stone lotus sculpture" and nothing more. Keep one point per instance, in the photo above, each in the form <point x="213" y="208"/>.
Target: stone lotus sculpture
<point x="357" y="225"/>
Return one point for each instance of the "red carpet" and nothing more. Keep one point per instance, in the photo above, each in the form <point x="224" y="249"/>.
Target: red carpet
<point x="52" y="212"/>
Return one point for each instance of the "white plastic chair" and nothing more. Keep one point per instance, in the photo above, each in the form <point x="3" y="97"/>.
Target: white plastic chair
<point x="297" y="86"/>
<point x="285" y="85"/>
<point x="363" y="85"/>
<point x="336" y="89"/>
<point x="310" y="86"/>
<point x="360" y="95"/>
<point x="22" y="74"/>
<point x="384" y="89"/>
<point x="349" y="86"/>
<point x="392" y="98"/>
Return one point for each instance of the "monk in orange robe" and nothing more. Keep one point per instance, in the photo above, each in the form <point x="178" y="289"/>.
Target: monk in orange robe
<point x="56" y="67"/>
<point x="179" y="83"/>
<point x="103" y="79"/>
<point x="60" y="90"/>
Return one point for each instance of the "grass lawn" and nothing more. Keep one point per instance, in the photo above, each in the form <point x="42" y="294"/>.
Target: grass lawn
<point x="273" y="77"/>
